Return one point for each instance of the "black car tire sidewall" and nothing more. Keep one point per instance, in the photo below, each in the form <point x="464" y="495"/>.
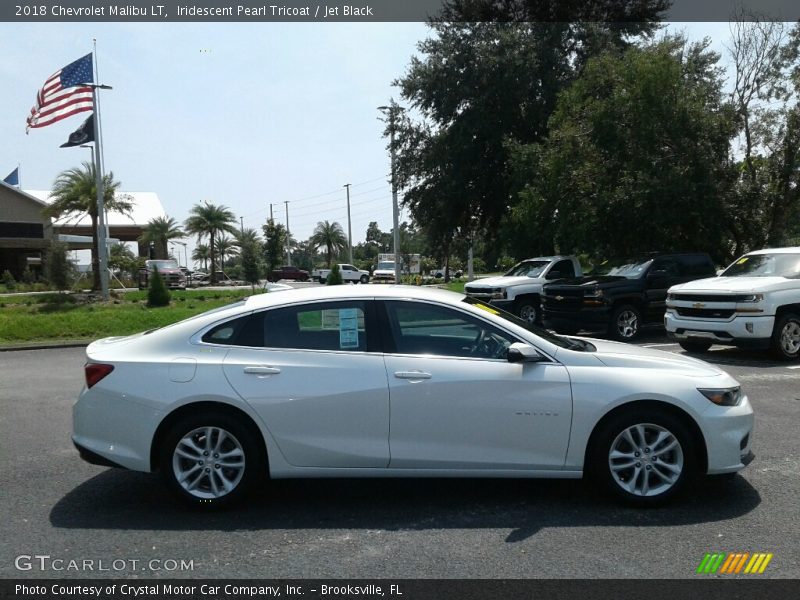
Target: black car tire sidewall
<point x="613" y="330"/>
<point x="780" y="323"/>
<point x="254" y="457"/>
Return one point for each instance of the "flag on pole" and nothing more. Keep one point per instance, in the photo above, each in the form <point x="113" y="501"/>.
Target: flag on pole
<point x="63" y="94"/>
<point x="13" y="177"/>
<point x="82" y="135"/>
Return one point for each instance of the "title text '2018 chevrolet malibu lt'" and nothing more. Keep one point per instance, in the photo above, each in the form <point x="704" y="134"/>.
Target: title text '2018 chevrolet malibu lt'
<point x="400" y="381"/>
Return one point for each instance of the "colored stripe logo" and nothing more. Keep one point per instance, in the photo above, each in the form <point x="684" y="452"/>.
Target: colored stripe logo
<point x="734" y="563"/>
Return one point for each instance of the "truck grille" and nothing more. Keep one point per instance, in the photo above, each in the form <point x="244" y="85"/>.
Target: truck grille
<point x="563" y="301"/>
<point x="710" y="297"/>
<point x="705" y="313"/>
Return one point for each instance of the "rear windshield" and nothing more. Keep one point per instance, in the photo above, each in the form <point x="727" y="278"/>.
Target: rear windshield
<point x="632" y="268"/>
<point x="765" y="265"/>
<point x="528" y="268"/>
<point x="163" y="264"/>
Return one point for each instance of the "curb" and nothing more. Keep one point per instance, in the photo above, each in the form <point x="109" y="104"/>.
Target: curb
<point x="46" y="346"/>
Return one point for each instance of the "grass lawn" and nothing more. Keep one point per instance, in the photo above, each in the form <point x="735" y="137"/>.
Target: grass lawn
<point x="39" y="318"/>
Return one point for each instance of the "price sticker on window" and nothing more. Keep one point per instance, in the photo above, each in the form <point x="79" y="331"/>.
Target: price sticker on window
<point x="348" y="328"/>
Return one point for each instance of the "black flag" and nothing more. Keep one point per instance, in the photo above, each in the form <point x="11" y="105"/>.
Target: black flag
<point x="82" y="135"/>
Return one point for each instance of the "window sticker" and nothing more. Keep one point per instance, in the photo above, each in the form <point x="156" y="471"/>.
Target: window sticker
<point x="348" y="328"/>
<point x="486" y="308"/>
<point x="742" y="260"/>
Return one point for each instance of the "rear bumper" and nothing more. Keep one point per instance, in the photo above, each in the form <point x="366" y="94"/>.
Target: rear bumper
<point x="93" y="458"/>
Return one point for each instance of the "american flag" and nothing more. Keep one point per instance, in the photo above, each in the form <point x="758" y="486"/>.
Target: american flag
<point x="62" y="95"/>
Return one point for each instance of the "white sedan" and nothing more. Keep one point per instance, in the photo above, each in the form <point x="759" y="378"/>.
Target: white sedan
<point x="364" y="381"/>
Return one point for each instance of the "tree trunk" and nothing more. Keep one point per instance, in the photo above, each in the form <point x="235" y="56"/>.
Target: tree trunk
<point x="212" y="257"/>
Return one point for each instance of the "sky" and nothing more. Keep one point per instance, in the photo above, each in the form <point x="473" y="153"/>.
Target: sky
<point x="239" y="114"/>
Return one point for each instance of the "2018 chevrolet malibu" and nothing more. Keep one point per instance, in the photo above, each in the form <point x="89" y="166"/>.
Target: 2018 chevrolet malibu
<point x="367" y="381"/>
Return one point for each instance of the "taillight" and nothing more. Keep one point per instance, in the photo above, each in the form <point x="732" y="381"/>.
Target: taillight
<point x="95" y="372"/>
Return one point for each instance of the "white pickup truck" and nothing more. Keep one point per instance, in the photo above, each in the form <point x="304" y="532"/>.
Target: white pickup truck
<point x="349" y="273"/>
<point x="519" y="290"/>
<point x="754" y="303"/>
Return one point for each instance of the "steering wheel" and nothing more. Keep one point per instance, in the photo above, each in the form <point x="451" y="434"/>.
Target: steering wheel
<point x="486" y="345"/>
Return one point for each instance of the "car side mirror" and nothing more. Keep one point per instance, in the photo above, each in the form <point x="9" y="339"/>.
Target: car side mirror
<point x="519" y="352"/>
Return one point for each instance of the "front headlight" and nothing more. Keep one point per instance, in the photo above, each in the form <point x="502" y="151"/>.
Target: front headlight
<point x="498" y="293"/>
<point x="594" y="293"/>
<point x="723" y="396"/>
<point x="752" y="298"/>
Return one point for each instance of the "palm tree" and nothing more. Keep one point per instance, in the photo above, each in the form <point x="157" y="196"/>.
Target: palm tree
<point x="211" y="220"/>
<point x="331" y="236"/>
<point x="225" y="247"/>
<point x="75" y="192"/>
<point x="201" y="253"/>
<point x="159" y="231"/>
<point x="247" y="236"/>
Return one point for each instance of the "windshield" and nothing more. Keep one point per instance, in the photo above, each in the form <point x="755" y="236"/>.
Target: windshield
<point x="560" y="341"/>
<point x="389" y="266"/>
<point x="163" y="264"/>
<point x="529" y="268"/>
<point x="765" y="265"/>
<point x="632" y="268"/>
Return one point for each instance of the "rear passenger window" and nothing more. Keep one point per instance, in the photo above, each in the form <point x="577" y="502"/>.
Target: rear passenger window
<point x="565" y="268"/>
<point x="323" y="326"/>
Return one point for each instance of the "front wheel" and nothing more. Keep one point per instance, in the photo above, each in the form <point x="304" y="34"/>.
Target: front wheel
<point x="644" y="458"/>
<point x="626" y="321"/>
<point x="211" y="459"/>
<point x="364" y="279"/>
<point x="695" y="347"/>
<point x="786" y="337"/>
<point x="528" y="310"/>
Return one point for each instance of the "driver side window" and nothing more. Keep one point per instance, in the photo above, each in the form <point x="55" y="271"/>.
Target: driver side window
<point x="419" y="328"/>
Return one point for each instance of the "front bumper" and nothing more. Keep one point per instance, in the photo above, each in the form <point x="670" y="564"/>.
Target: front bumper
<point x="744" y="331"/>
<point x="728" y="431"/>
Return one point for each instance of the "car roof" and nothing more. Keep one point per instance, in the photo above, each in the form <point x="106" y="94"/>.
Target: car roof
<point x="336" y="292"/>
<point x="791" y="250"/>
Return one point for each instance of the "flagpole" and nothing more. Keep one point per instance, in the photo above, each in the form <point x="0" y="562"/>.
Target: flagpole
<point x="102" y="248"/>
<point x="99" y="132"/>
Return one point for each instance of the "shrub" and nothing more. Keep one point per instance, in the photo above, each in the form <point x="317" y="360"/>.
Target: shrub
<point x="60" y="272"/>
<point x="157" y="293"/>
<point x="28" y="276"/>
<point x="9" y="281"/>
<point x="335" y="276"/>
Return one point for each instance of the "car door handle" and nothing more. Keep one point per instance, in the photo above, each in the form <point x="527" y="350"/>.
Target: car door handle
<point x="414" y="375"/>
<point x="262" y="370"/>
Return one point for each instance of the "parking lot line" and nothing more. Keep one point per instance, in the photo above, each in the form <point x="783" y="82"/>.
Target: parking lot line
<point x="657" y="345"/>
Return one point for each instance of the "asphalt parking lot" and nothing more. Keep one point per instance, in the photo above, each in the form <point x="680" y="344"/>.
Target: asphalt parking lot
<point x="56" y="505"/>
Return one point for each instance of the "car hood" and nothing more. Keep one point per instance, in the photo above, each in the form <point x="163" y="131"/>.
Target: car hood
<point x="736" y="284"/>
<point x="502" y="281"/>
<point x="617" y="354"/>
<point x="588" y="280"/>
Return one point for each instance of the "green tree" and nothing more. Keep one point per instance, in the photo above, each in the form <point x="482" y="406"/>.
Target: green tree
<point x="122" y="259"/>
<point x="157" y="292"/>
<point x="201" y="254"/>
<point x="210" y="220"/>
<point x="59" y="270"/>
<point x="330" y="236"/>
<point x="249" y="247"/>
<point x="9" y="281"/>
<point x="226" y="247"/>
<point x="638" y="138"/>
<point x="452" y="160"/>
<point x="75" y="193"/>
<point x="335" y="276"/>
<point x="274" y="244"/>
<point x="159" y="231"/>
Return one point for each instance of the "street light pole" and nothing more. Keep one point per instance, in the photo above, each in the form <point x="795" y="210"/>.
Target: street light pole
<point x="393" y="108"/>
<point x="349" y="228"/>
<point x="288" y="236"/>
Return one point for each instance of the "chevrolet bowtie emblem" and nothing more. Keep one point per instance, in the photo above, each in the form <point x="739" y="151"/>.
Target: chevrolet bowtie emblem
<point x="559" y="298"/>
<point x="699" y="305"/>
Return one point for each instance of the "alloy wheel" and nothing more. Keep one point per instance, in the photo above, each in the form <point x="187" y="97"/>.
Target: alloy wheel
<point x="627" y="324"/>
<point x="646" y="460"/>
<point x="528" y="313"/>
<point x="208" y="462"/>
<point x="790" y="338"/>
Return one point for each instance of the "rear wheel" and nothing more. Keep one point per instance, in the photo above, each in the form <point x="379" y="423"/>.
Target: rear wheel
<point x="626" y="321"/>
<point x="786" y="337"/>
<point x="211" y="459"/>
<point x="695" y="347"/>
<point x="323" y="280"/>
<point x="643" y="457"/>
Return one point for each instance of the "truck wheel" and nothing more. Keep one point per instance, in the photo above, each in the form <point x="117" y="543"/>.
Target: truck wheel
<point x="786" y="337"/>
<point x="323" y="281"/>
<point x="528" y="310"/>
<point x="364" y="279"/>
<point x="695" y="347"/>
<point x="626" y="321"/>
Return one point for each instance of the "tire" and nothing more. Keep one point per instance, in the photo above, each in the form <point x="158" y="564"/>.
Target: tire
<point x="635" y="470"/>
<point x="364" y="279"/>
<point x="626" y="323"/>
<point x="695" y="347"/>
<point x="205" y="484"/>
<point x="528" y="309"/>
<point x="323" y="281"/>
<point x="786" y="337"/>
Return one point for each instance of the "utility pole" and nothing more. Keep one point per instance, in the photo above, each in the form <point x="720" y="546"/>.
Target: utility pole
<point x="241" y="220"/>
<point x="288" y="235"/>
<point x="393" y="108"/>
<point x="270" y="211"/>
<point x="349" y="227"/>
